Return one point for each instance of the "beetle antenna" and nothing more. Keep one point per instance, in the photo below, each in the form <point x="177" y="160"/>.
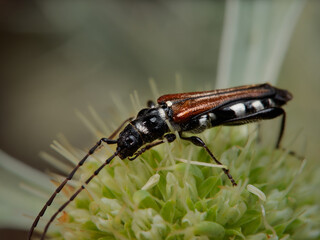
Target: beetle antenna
<point x="71" y="174"/>
<point x="96" y="172"/>
<point x="92" y="150"/>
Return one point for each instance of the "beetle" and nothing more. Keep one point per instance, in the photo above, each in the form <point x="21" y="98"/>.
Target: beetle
<point x="191" y="112"/>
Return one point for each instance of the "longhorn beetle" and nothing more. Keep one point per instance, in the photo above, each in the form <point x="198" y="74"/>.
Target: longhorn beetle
<point x="184" y="112"/>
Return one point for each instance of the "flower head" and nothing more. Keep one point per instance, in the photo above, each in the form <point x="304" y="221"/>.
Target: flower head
<point x="164" y="195"/>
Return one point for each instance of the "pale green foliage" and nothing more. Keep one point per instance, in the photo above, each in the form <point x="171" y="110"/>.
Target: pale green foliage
<point x="157" y="197"/>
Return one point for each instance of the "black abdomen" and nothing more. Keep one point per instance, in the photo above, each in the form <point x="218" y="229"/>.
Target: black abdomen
<point x="231" y="114"/>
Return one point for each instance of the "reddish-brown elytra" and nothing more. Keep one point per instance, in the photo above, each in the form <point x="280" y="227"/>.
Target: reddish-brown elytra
<point x="185" y="112"/>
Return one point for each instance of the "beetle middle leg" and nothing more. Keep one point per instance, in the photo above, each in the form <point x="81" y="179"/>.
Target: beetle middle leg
<point x="200" y="143"/>
<point x="170" y="138"/>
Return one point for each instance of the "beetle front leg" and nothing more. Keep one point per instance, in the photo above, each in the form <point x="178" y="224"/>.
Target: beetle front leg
<point x="200" y="143"/>
<point x="170" y="138"/>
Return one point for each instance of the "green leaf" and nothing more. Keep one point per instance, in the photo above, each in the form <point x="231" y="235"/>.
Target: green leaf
<point x="231" y="233"/>
<point x="200" y="206"/>
<point x="255" y="174"/>
<point x="162" y="185"/>
<point x="212" y="214"/>
<point x="190" y="204"/>
<point x="168" y="210"/>
<point x="215" y="188"/>
<point x="193" y="170"/>
<point x="249" y="216"/>
<point x="89" y="225"/>
<point x="206" y="186"/>
<point x="210" y="229"/>
<point x="252" y="226"/>
<point x="82" y="203"/>
<point x="152" y="157"/>
<point x="106" y="192"/>
<point x="232" y="215"/>
<point x="259" y="236"/>
<point x="295" y="224"/>
<point x="107" y="238"/>
<point x="144" y="200"/>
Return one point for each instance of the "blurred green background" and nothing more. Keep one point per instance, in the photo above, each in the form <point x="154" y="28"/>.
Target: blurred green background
<point x="58" y="56"/>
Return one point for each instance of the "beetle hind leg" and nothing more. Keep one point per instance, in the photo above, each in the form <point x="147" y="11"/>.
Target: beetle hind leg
<point x="278" y="146"/>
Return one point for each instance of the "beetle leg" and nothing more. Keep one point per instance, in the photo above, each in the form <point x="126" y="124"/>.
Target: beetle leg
<point x="151" y="104"/>
<point x="282" y="127"/>
<point x="278" y="146"/>
<point x="200" y="143"/>
<point x="120" y="127"/>
<point x="170" y="138"/>
<point x="263" y="114"/>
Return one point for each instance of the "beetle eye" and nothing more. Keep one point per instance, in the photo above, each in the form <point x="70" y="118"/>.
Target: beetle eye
<point x="130" y="140"/>
<point x="153" y="120"/>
